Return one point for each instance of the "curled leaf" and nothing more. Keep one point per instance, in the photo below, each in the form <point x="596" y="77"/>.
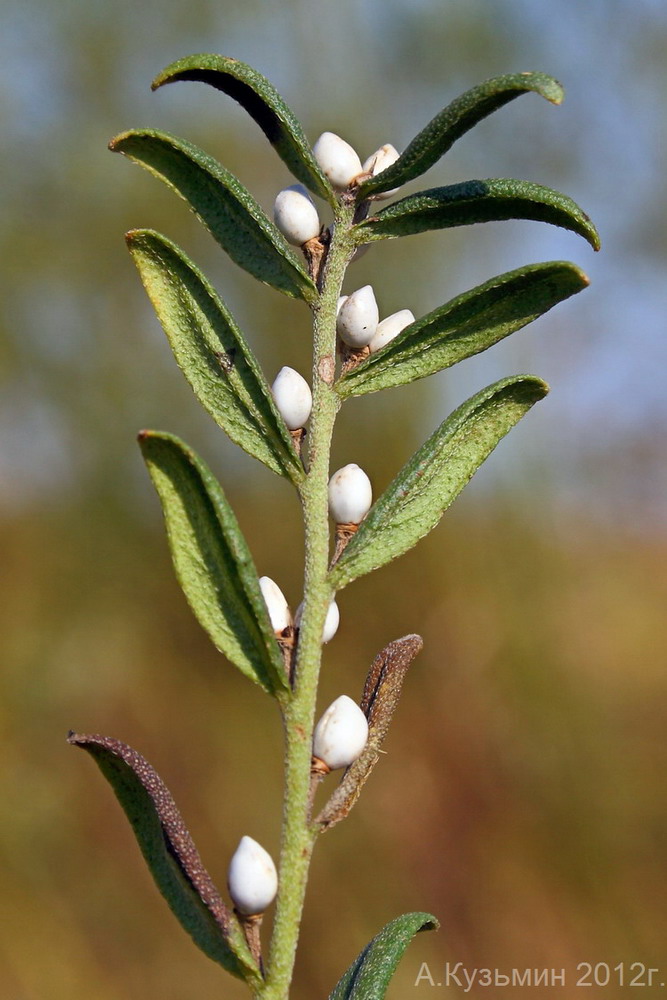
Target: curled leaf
<point x="475" y="201"/>
<point x="380" y="698"/>
<point x="212" y="561"/>
<point x="170" y="853"/>
<point x="223" y="205"/>
<point x="470" y="323"/>
<point x="212" y="353"/>
<point x="414" y="502"/>
<point x="369" y="975"/>
<point x="263" y="103"/>
<point x="454" y="121"/>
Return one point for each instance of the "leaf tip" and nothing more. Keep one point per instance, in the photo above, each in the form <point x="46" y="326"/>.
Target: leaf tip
<point x="116" y="143"/>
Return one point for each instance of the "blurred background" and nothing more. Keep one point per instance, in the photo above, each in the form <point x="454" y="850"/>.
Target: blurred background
<point x="522" y="799"/>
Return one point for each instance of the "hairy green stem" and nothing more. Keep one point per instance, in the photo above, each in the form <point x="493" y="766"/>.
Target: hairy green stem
<point x="298" y="834"/>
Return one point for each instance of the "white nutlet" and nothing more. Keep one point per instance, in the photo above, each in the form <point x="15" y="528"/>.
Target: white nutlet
<point x="251" y="878"/>
<point x="378" y="161"/>
<point x="339" y="162"/>
<point x="358" y="318"/>
<point x="277" y="606"/>
<point x="350" y="495"/>
<point x="295" y="215"/>
<point x="331" y="622"/>
<point x="293" y="397"/>
<point x="341" y="734"/>
<point x="389" y="328"/>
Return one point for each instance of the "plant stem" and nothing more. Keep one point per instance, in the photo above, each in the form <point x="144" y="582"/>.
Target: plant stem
<point x="298" y="834"/>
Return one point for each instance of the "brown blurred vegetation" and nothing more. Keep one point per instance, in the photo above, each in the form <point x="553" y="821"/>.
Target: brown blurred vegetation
<point x="522" y="798"/>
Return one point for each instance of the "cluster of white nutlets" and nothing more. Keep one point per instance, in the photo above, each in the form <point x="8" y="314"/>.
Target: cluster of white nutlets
<point x="294" y="211"/>
<point x="342" y="733"/>
<point x="358" y="322"/>
<point x="281" y="616"/>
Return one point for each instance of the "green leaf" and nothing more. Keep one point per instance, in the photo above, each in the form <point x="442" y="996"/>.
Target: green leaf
<point x="170" y="854"/>
<point x="468" y="324"/>
<point x="212" y="353"/>
<point x="454" y="121"/>
<point x="414" y="503"/>
<point x="263" y="103"/>
<point x="212" y="561"/>
<point x="223" y="205"/>
<point x="476" y="201"/>
<point x="369" y="975"/>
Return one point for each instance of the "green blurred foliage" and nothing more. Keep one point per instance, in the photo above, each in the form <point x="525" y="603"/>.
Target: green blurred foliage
<point x="521" y="799"/>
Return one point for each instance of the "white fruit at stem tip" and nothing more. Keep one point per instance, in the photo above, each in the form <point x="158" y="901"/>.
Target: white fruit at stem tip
<point x="293" y="397"/>
<point x="350" y="495"/>
<point x="251" y="878"/>
<point x="358" y="318"/>
<point x="331" y="622"/>
<point x="338" y="161"/>
<point x="389" y="328"/>
<point x="341" y="734"/>
<point x="295" y="215"/>
<point x="277" y="606"/>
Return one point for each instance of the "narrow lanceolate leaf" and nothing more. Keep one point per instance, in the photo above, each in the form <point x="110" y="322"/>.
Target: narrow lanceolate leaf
<point x="369" y="975"/>
<point x="381" y="694"/>
<point x="225" y="207"/>
<point x="476" y="201"/>
<point x="468" y="324"/>
<point x="414" y="503"/>
<point x="454" y="121"/>
<point x="263" y="103"/>
<point x="170" y="854"/>
<point x="212" y="353"/>
<point x="212" y="561"/>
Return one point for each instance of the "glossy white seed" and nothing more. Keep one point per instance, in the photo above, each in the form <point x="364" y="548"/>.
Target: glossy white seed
<point x="378" y="161"/>
<point x="390" y="327"/>
<point x="358" y="318"/>
<point x="293" y="397"/>
<point x="339" y="305"/>
<point x="338" y="160"/>
<point x="350" y="495"/>
<point x="251" y="878"/>
<point x="295" y="215"/>
<point x="331" y="622"/>
<point x="341" y="734"/>
<point x="277" y="606"/>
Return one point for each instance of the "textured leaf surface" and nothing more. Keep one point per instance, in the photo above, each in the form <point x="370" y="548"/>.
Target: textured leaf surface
<point x="414" y="503"/>
<point x="212" y="561"/>
<point x="454" y="121"/>
<point x="476" y="201"/>
<point x="468" y="324"/>
<point x="170" y="853"/>
<point x="225" y="207"/>
<point x="369" y="975"/>
<point x="212" y="353"/>
<point x="380" y="698"/>
<point x="263" y="103"/>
